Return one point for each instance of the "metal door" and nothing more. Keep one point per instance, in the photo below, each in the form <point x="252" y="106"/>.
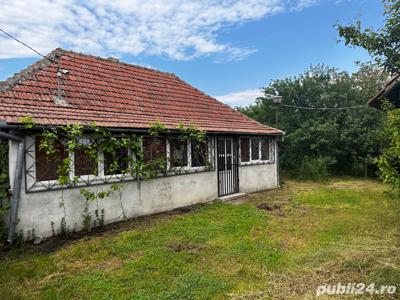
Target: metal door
<point x="228" y="165"/>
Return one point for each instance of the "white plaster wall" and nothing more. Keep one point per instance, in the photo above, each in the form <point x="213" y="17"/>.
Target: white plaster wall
<point x="255" y="178"/>
<point x="37" y="210"/>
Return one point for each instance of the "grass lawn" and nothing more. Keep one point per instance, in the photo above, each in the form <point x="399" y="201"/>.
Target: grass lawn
<point x="278" y="244"/>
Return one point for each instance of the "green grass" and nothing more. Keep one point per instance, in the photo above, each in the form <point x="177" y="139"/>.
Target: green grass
<point x="340" y="231"/>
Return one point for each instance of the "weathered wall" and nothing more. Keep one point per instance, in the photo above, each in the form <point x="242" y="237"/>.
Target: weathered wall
<point x="255" y="178"/>
<point x="38" y="210"/>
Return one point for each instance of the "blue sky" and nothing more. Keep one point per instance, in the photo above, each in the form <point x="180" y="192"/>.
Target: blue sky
<point x="228" y="50"/>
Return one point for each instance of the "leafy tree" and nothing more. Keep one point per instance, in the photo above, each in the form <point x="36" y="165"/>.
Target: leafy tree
<point x="383" y="44"/>
<point x="389" y="161"/>
<point x="337" y="138"/>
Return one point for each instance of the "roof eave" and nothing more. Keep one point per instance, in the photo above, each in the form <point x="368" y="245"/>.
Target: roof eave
<point x="376" y="100"/>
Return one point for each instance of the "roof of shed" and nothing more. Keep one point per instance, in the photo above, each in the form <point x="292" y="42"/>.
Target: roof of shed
<point x="114" y="94"/>
<point x="389" y="86"/>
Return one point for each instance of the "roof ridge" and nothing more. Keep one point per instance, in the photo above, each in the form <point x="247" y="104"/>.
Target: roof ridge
<point x="117" y="61"/>
<point x="28" y="72"/>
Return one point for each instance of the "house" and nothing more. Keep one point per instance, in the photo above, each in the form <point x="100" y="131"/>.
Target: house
<point x="73" y="88"/>
<point x="391" y="92"/>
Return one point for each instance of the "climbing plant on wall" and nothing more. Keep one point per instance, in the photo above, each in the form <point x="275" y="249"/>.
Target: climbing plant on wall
<point x="117" y="153"/>
<point x="4" y="186"/>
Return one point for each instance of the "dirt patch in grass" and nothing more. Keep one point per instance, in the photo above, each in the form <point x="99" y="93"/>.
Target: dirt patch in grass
<point x="275" y="209"/>
<point x="179" y="247"/>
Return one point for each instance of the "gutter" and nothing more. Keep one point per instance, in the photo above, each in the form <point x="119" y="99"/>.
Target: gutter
<point x="8" y="136"/>
<point x="16" y="189"/>
<point x="140" y="130"/>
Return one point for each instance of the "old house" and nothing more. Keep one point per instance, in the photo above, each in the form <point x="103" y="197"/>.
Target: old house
<point x="240" y="155"/>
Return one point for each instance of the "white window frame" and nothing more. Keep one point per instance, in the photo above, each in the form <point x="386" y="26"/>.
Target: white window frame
<point x="117" y="176"/>
<point x="252" y="161"/>
<point x="189" y="166"/>
<point x="33" y="183"/>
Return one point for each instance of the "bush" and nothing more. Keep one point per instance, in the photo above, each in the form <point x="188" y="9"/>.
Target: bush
<point x="315" y="169"/>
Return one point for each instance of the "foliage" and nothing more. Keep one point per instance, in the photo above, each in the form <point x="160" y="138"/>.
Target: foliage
<point x="191" y="133"/>
<point x="157" y="128"/>
<point x="3" y="169"/>
<point x="315" y="169"/>
<point x="28" y="122"/>
<point x="389" y="162"/>
<point x="4" y="186"/>
<point x="383" y="44"/>
<point x="337" y="229"/>
<point x="343" y="136"/>
<point x="102" y="140"/>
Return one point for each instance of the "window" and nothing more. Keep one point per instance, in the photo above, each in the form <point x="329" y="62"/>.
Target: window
<point x="245" y="149"/>
<point x="255" y="149"/>
<point x="199" y="152"/>
<point x="116" y="163"/>
<point x="178" y="153"/>
<point x="154" y="148"/>
<point x="47" y="165"/>
<point x="265" y="149"/>
<point x="83" y="162"/>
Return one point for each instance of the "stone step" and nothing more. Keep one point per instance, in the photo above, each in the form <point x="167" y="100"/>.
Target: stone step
<point x="232" y="197"/>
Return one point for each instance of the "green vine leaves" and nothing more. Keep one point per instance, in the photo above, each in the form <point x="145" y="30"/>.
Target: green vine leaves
<point x="124" y="151"/>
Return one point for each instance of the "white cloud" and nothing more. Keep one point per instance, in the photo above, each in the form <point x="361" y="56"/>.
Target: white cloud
<point x="176" y="29"/>
<point x="242" y="98"/>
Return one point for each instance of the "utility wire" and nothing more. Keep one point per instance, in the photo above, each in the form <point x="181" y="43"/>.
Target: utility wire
<point x="21" y="42"/>
<point x="324" y="108"/>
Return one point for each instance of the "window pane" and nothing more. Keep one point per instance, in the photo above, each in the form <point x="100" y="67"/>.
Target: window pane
<point x="154" y="148"/>
<point x="47" y="165"/>
<point x="265" y="149"/>
<point x="221" y="154"/>
<point x="178" y="150"/>
<point x="84" y="163"/>
<point x="116" y="163"/>
<point x="255" y="149"/>
<point x="245" y="149"/>
<point x="199" y="153"/>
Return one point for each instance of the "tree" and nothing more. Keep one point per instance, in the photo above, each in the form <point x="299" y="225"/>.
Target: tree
<point x="389" y="161"/>
<point x="336" y="139"/>
<point x="383" y="44"/>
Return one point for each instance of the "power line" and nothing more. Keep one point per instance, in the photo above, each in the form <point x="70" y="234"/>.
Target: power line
<point x="21" y="42"/>
<point x="324" y="108"/>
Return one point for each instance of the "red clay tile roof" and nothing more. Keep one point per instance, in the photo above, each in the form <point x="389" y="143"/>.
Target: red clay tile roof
<point x="114" y="94"/>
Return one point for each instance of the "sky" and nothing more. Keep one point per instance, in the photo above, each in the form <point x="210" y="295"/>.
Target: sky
<point x="229" y="48"/>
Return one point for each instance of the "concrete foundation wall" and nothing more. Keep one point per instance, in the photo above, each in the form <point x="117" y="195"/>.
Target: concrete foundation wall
<point x="39" y="210"/>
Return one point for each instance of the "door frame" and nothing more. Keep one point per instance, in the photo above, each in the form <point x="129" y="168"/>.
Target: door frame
<point x="227" y="165"/>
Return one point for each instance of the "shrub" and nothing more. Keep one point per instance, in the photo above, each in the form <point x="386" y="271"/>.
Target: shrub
<point x="315" y="169"/>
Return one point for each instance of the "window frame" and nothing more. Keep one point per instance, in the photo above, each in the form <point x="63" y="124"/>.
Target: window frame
<point x="271" y="144"/>
<point x="34" y="185"/>
<point x="188" y="166"/>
